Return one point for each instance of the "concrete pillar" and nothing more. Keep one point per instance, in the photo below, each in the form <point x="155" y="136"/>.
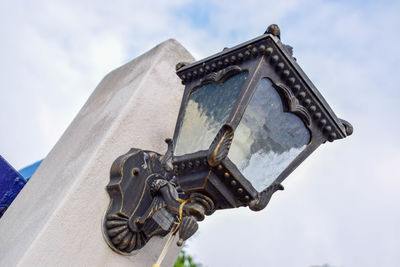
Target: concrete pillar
<point x="56" y="220"/>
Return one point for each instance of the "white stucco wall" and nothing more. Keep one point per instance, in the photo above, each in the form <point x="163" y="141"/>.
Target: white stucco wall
<point x="56" y="219"/>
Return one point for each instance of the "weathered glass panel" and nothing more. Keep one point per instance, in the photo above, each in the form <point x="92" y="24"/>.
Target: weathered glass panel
<point x="267" y="139"/>
<point x="206" y="111"/>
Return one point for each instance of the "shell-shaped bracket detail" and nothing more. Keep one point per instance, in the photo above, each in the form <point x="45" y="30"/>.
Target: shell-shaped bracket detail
<point x="219" y="148"/>
<point x="144" y="202"/>
<point x="136" y="212"/>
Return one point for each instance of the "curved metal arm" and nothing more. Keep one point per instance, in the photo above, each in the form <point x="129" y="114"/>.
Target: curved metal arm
<point x="264" y="197"/>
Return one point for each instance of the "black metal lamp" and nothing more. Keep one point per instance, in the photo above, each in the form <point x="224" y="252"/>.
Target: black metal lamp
<point x="249" y="116"/>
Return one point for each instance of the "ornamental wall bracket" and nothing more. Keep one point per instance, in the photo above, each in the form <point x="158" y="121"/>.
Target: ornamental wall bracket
<point x="145" y="201"/>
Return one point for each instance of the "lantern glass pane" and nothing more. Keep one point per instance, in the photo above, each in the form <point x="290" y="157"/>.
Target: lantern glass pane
<point x="267" y="139"/>
<point x="206" y="111"/>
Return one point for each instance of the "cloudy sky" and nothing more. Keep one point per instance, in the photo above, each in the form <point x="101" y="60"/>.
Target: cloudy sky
<point x="340" y="207"/>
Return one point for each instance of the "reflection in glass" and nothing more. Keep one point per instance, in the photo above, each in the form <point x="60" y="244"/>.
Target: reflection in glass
<point x="267" y="139"/>
<point x="206" y="111"/>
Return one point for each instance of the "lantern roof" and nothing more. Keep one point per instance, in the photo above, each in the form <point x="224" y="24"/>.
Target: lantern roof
<point x="298" y="87"/>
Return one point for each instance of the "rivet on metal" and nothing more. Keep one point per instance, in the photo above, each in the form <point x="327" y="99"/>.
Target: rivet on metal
<point x="275" y="58"/>
<point x="302" y="94"/>
<point x="213" y="66"/>
<point x="227" y="175"/>
<point x="322" y="122"/>
<point x="135" y="171"/>
<point x="246" y="197"/>
<point x="262" y="48"/>
<point x="220" y="64"/>
<point x="269" y="51"/>
<point x="332" y="136"/>
<point x="240" y="56"/>
<point x="286" y="73"/>
<point x="233" y="183"/>
<point x="201" y="70"/>
<point x="297" y="87"/>
<point x="195" y="73"/>
<point x="183" y="166"/>
<point x="226" y="61"/>
<point x="190" y="164"/>
<point x="307" y="101"/>
<point x="313" y="108"/>
<point x="328" y="128"/>
<point x="317" y="115"/>
<point x="219" y="167"/>
<point x="254" y="51"/>
<point x="197" y="163"/>
<point x="240" y="190"/>
<point x="292" y="80"/>
<point x="280" y="65"/>
<point x="246" y="54"/>
<point x="233" y="59"/>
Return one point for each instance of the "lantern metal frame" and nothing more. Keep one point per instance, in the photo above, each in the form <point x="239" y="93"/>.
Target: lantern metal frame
<point x="208" y="180"/>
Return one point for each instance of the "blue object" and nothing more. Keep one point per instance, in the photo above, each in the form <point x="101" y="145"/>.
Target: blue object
<point x="28" y="171"/>
<point x="11" y="183"/>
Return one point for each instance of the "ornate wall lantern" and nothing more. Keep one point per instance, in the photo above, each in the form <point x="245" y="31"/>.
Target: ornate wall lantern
<point x="249" y="116"/>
